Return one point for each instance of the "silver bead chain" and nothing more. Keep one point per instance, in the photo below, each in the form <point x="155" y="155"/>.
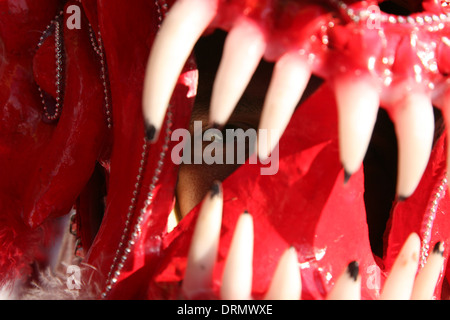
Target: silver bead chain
<point x="97" y="45"/>
<point x="125" y="246"/>
<point x="429" y="221"/>
<point x="118" y="261"/>
<point x="56" y="24"/>
<point x="127" y="243"/>
<point x="161" y="8"/>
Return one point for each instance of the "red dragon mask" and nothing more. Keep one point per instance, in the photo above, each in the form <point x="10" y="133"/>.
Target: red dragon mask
<point x="87" y="115"/>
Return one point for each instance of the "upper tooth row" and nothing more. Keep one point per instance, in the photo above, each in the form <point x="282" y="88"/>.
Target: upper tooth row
<point x="408" y="101"/>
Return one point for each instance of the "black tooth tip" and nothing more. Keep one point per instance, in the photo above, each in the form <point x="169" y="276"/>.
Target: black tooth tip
<point x="150" y="132"/>
<point x="246" y="212"/>
<point x="401" y="198"/>
<point x="438" y="248"/>
<point x="347" y="176"/>
<point x="217" y="126"/>
<point x="215" y="189"/>
<point x="353" y="270"/>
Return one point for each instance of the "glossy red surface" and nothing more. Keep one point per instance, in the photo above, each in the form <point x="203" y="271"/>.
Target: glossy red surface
<point x="47" y="168"/>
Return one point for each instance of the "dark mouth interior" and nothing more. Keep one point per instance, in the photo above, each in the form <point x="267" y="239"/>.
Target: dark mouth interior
<point x="380" y="175"/>
<point x="380" y="163"/>
<point x="401" y="7"/>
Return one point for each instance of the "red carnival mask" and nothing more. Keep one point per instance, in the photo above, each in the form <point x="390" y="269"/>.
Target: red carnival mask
<point x="87" y="115"/>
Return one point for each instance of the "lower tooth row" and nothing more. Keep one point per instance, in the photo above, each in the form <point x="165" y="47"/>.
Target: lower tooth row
<point x="286" y="283"/>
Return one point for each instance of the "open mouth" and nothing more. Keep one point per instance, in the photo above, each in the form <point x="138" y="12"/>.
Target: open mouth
<point x="355" y="95"/>
<point x="393" y="144"/>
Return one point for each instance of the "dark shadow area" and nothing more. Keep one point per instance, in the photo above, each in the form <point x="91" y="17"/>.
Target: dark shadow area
<point x="401" y="7"/>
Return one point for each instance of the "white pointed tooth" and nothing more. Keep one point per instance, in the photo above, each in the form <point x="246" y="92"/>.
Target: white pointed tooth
<point x="238" y="271"/>
<point x="400" y="281"/>
<point x="290" y="77"/>
<point x="414" y="126"/>
<point x="205" y="241"/>
<point x="348" y="285"/>
<point x="358" y="102"/>
<point x="428" y="276"/>
<point x="286" y="283"/>
<point x="183" y="26"/>
<point x="243" y="50"/>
